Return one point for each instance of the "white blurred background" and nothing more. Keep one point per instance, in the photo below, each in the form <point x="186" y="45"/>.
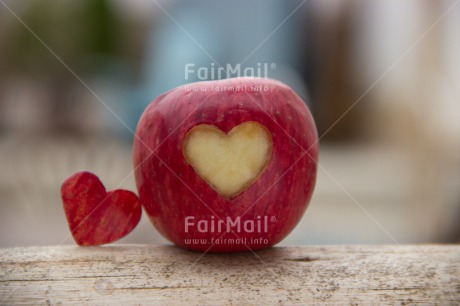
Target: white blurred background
<point x="383" y="77"/>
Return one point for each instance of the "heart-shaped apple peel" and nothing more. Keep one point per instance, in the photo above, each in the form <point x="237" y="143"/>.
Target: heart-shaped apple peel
<point x="95" y="216"/>
<point x="229" y="163"/>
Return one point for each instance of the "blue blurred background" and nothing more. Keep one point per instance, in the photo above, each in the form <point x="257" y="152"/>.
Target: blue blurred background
<point x="382" y="78"/>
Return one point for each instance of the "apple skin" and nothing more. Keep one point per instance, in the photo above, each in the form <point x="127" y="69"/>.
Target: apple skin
<point x="170" y="190"/>
<point x="94" y="215"/>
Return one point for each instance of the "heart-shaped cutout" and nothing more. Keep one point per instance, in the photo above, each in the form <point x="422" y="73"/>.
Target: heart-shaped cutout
<point x="95" y="216"/>
<point x="232" y="162"/>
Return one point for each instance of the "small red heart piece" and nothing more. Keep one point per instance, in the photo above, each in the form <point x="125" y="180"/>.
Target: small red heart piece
<point x="96" y="216"/>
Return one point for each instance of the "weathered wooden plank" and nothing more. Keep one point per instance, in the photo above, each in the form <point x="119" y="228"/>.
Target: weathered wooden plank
<point x="166" y="275"/>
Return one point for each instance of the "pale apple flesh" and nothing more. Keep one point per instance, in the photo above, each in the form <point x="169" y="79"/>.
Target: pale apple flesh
<point x="231" y="162"/>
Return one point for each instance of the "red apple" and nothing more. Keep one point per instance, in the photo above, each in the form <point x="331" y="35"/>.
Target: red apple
<point x="226" y="165"/>
<point x="95" y="216"/>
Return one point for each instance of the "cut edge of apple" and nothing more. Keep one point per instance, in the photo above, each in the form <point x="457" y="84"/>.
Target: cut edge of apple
<point x="229" y="163"/>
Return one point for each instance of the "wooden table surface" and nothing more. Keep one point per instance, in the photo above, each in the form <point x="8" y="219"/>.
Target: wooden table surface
<point x="166" y="275"/>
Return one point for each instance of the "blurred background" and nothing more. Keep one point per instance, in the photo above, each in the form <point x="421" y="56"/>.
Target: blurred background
<point x="382" y="78"/>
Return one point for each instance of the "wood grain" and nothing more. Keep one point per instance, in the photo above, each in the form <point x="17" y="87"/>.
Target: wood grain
<point x="166" y="275"/>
